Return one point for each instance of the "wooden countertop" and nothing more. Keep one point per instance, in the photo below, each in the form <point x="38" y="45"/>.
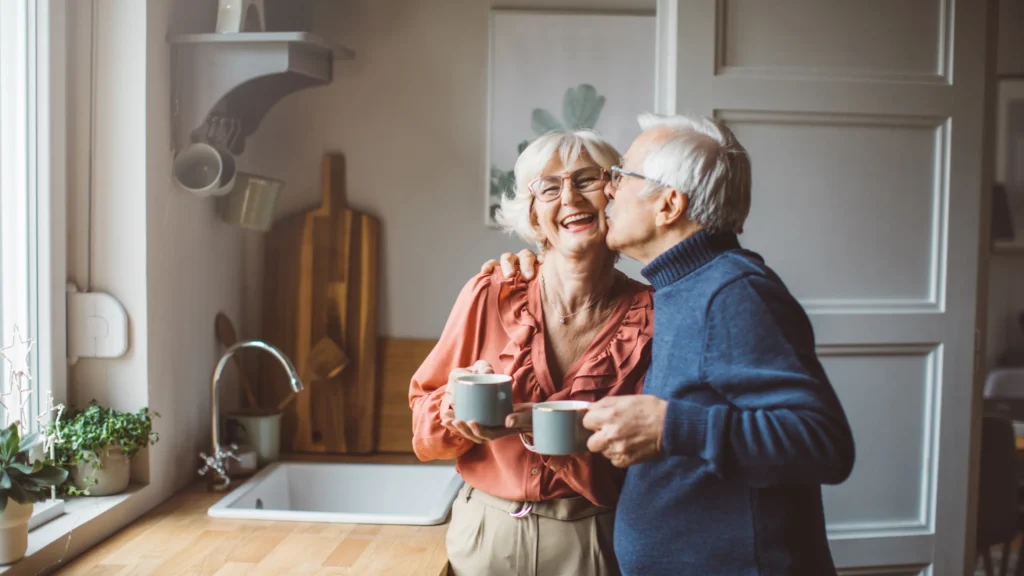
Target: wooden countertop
<point x="179" y="538"/>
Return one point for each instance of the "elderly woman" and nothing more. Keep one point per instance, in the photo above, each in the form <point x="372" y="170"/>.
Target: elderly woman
<point x="581" y="333"/>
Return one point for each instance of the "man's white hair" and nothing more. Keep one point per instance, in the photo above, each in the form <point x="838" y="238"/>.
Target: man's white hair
<point x="701" y="158"/>
<point x="516" y="213"/>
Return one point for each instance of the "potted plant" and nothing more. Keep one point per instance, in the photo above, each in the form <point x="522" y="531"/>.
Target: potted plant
<point x="97" y="445"/>
<point x="23" y="482"/>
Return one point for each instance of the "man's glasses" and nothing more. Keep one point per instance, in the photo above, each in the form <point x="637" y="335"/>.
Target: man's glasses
<point x="549" y="188"/>
<point x="618" y="174"/>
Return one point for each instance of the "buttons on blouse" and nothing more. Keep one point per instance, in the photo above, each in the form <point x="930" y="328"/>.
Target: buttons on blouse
<point x="534" y="471"/>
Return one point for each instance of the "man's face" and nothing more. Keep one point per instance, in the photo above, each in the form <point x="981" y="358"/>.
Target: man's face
<point x="631" y="225"/>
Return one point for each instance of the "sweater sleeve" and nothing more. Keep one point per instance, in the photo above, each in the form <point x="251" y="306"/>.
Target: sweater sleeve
<point x="782" y="422"/>
<point x="459" y="347"/>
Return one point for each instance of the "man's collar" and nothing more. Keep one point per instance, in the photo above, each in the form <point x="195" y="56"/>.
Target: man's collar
<point x="687" y="256"/>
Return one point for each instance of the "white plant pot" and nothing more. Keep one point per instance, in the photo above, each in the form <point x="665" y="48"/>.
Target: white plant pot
<point x="113" y="474"/>
<point x="14" y="531"/>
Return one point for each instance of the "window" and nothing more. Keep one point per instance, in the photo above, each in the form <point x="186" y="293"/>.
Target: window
<point x="32" y="229"/>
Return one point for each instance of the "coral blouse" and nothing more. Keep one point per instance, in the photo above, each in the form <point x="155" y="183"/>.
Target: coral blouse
<point x="500" y="320"/>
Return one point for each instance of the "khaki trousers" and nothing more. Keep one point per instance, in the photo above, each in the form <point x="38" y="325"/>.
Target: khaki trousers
<point x="561" y="537"/>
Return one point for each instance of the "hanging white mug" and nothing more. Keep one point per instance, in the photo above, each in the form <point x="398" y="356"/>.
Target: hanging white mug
<point x="204" y="171"/>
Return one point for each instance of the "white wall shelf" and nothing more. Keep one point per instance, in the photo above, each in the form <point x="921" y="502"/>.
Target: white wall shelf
<point x="224" y="84"/>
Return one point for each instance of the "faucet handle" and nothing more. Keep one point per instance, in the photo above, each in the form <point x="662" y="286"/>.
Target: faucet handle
<point x="216" y="462"/>
<point x="220" y="479"/>
<point x="229" y="453"/>
<point x="209" y="463"/>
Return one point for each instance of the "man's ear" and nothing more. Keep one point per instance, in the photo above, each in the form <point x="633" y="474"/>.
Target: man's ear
<point x="671" y="207"/>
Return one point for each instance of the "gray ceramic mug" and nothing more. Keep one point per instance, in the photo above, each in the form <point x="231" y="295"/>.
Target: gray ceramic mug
<point x="483" y="398"/>
<point x="558" y="428"/>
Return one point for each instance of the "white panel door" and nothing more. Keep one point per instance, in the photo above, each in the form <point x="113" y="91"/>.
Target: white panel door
<point x="864" y="122"/>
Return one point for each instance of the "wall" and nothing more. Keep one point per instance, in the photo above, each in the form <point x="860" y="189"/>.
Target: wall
<point x="163" y="254"/>
<point x="194" y="270"/>
<point x="409" y="113"/>
<point x="118" y="176"/>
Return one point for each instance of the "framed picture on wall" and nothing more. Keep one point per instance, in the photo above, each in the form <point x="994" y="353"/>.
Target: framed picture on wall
<point x="1010" y="139"/>
<point x="553" y="70"/>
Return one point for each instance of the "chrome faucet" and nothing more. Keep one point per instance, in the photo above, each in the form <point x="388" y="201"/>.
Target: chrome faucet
<point x="218" y="461"/>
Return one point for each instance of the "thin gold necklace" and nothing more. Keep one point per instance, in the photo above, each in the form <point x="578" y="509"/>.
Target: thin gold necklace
<point x="561" y="318"/>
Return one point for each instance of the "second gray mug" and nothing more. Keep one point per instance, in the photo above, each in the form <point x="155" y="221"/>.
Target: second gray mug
<point x="483" y="398"/>
<point x="558" y="428"/>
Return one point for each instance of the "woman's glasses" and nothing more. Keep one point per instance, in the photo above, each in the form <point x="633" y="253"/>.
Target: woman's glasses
<point x="590" y="179"/>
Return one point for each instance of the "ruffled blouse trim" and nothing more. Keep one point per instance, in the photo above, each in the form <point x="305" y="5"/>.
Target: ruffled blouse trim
<point x="603" y="369"/>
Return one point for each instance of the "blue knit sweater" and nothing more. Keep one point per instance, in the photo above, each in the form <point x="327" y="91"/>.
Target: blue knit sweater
<point x="753" y="427"/>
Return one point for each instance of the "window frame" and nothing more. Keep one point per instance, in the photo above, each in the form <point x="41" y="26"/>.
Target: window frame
<point x="38" y="120"/>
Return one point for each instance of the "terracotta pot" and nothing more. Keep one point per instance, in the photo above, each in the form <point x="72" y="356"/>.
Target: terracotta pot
<point x="14" y="531"/>
<point x="113" y="474"/>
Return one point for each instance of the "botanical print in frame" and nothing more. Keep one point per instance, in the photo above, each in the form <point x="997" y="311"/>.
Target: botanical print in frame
<point x="555" y="70"/>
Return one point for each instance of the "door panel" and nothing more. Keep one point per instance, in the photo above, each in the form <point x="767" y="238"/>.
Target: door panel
<point x="890" y="198"/>
<point x="888" y="393"/>
<point x="864" y="122"/>
<point x="826" y="38"/>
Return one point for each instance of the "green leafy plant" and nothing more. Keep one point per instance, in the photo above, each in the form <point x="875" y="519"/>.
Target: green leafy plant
<point x="88" y="434"/>
<point x="581" y="109"/>
<point x="21" y="480"/>
<point x="542" y="122"/>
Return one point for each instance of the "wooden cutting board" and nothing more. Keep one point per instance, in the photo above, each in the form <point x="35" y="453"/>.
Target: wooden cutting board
<point x="321" y="280"/>
<point x="399" y="358"/>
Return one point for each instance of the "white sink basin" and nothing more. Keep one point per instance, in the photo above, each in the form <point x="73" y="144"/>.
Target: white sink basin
<point x="413" y="494"/>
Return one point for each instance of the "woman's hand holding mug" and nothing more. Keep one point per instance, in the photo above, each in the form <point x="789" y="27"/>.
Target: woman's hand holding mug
<point x="470" y="430"/>
<point x="479" y="367"/>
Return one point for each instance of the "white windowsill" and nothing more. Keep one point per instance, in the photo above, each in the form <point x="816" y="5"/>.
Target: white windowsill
<point x="44" y="512"/>
<point x="78" y="512"/>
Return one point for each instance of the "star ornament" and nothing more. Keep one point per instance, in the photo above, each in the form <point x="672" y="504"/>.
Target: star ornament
<point x="17" y="354"/>
<point x="5" y="398"/>
<point x="53" y="428"/>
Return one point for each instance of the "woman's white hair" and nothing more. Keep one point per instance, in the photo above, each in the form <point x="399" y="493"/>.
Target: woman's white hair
<point x="516" y="212"/>
<point x="703" y="159"/>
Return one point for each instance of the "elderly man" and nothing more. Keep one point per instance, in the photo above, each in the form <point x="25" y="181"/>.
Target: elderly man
<point x="738" y="426"/>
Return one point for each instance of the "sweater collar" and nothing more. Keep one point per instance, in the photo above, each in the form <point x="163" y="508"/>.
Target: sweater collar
<point x="687" y="256"/>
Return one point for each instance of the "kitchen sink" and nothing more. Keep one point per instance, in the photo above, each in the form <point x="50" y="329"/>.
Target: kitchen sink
<point x="346" y="493"/>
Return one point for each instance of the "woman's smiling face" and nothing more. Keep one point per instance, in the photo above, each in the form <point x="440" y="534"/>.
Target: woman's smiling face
<point x="569" y="205"/>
